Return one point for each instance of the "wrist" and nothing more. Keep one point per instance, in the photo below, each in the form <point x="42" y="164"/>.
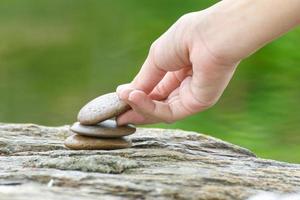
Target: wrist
<point x="232" y="30"/>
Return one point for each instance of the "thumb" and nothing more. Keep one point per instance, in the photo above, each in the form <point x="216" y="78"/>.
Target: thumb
<point x="168" y="53"/>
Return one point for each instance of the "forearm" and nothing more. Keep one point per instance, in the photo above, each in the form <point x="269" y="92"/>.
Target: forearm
<point x="236" y="28"/>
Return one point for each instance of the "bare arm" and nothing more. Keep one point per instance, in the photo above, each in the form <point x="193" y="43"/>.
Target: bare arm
<point x="235" y="29"/>
<point x="190" y="65"/>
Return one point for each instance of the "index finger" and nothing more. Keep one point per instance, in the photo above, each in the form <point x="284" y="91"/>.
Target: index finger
<point x="149" y="75"/>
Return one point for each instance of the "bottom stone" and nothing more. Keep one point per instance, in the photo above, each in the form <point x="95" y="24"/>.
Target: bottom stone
<point x="79" y="142"/>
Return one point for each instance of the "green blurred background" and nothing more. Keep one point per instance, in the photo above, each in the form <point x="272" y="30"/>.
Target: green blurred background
<point x="56" y="55"/>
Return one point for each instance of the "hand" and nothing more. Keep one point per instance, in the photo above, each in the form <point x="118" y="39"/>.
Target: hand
<point x="190" y="65"/>
<point x="180" y="77"/>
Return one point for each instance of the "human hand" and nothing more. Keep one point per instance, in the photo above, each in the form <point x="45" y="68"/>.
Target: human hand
<point x="180" y="77"/>
<point x="189" y="66"/>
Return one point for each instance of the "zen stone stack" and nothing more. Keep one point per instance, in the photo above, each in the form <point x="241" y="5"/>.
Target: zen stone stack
<point x="96" y="130"/>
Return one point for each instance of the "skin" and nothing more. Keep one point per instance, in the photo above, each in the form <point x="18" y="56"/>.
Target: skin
<point x="190" y="65"/>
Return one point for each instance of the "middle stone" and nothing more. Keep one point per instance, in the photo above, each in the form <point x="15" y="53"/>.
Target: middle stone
<point x="105" y="129"/>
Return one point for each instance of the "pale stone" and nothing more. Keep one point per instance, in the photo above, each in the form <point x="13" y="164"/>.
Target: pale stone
<point x="102" y="108"/>
<point x="105" y="129"/>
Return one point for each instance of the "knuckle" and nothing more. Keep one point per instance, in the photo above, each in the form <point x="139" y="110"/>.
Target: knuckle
<point x="153" y="47"/>
<point x="167" y="119"/>
<point x="187" y="17"/>
<point x="184" y="17"/>
<point x="198" y="106"/>
<point x="153" y="54"/>
<point x="161" y="89"/>
<point x="208" y="103"/>
<point x="202" y="102"/>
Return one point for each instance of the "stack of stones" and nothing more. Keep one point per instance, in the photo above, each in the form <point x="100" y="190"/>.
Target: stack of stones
<point x="96" y="130"/>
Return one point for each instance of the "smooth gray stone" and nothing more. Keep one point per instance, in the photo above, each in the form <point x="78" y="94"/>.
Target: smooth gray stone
<point x="105" y="129"/>
<point x="102" y="108"/>
<point x="79" y="142"/>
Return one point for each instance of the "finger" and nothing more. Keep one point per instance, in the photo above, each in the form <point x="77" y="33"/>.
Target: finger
<point x="169" y="83"/>
<point x="124" y="90"/>
<point x="182" y="101"/>
<point x="152" y="110"/>
<point x="129" y="117"/>
<point x="122" y="87"/>
<point x="148" y="77"/>
<point x="165" y="87"/>
<point x="180" y="104"/>
<point x="136" y="115"/>
<point x="167" y="53"/>
<point x="132" y="117"/>
<point x="174" y="95"/>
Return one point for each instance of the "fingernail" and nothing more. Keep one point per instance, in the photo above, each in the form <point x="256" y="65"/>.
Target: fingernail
<point x="131" y="95"/>
<point x="136" y="96"/>
<point x="120" y="88"/>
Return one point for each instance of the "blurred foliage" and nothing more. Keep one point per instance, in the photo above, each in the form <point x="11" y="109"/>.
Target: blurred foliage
<point x="58" y="54"/>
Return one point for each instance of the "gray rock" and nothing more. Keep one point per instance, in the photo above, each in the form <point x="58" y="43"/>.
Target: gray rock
<point x="274" y="196"/>
<point x="105" y="129"/>
<point x="79" y="142"/>
<point x="161" y="164"/>
<point x="101" y="108"/>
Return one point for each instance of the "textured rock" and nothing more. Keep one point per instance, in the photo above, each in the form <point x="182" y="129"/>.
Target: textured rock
<point x="79" y="142"/>
<point x="161" y="164"/>
<point x="105" y="129"/>
<point x="101" y="108"/>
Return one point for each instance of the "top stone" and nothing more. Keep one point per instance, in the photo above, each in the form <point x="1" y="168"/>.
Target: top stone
<point x="102" y="108"/>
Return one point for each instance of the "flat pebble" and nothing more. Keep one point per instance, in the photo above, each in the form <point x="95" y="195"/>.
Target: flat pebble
<point x="102" y="108"/>
<point x="105" y="129"/>
<point x="79" y="142"/>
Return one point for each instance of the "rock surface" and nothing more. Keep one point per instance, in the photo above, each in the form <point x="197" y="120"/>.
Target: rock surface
<point x="105" y="129"/>
<point x="161" y="164"/>
<point x="79" y="142"/>
<point x="101" y="108"/>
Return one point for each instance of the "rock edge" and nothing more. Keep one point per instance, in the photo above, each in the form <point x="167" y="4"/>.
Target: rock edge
<point x="162" y="164"/>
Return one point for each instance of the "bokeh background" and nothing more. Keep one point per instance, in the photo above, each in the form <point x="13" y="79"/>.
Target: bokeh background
<point x="56" y="55"/>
